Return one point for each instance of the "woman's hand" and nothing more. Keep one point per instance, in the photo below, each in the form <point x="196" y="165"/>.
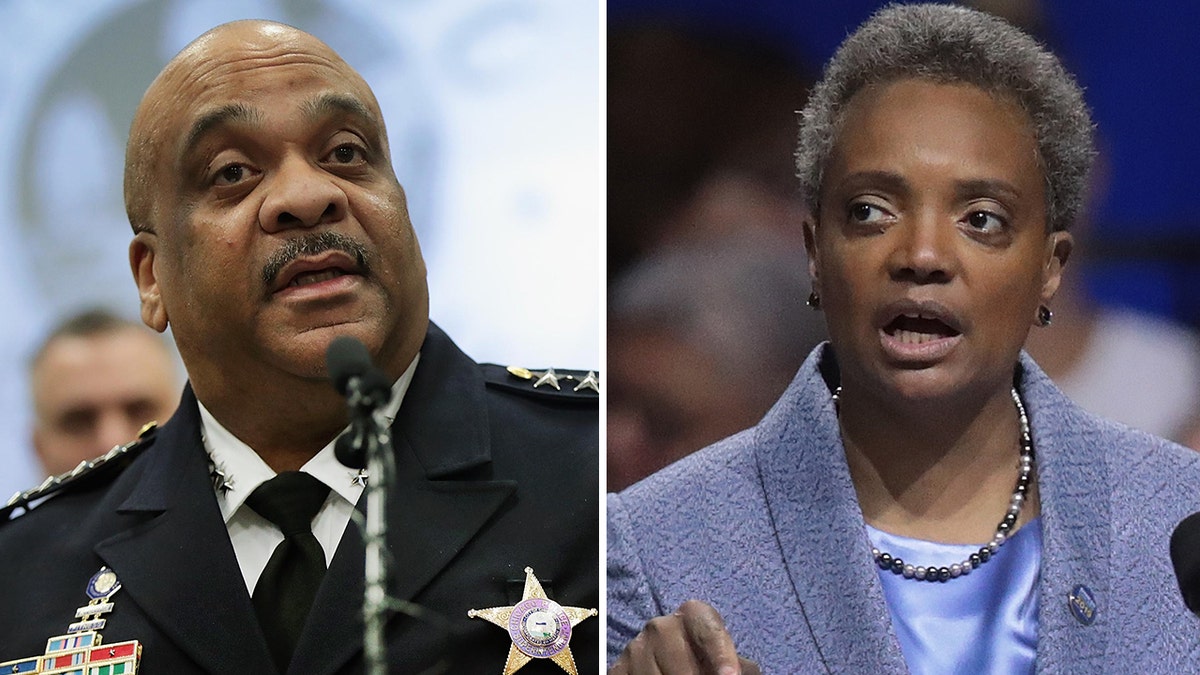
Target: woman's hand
<point x="691" y="641"/>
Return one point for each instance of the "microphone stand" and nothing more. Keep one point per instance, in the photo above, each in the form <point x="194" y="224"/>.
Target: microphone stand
<point x="370" y="427"/>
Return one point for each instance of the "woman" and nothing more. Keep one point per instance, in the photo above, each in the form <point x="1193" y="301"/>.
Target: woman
<point x="922" y="497"/>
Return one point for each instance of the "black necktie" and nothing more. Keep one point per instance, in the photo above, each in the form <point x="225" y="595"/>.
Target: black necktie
<point x="288" y="584"/>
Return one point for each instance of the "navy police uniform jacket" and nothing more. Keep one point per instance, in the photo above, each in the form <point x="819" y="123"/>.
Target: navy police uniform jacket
<point x="492" y="476"/>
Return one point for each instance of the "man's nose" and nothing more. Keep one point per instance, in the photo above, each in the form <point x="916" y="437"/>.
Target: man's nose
<point x="301" y="195"/>
<point x="113" y="427"/>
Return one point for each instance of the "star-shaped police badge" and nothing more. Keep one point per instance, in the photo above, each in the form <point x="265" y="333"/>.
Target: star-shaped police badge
<point x="539" y="627"/>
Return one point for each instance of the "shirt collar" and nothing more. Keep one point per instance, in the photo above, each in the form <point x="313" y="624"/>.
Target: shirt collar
<point x="243" y="470"/>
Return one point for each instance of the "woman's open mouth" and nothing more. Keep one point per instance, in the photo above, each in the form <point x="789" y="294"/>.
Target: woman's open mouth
<point x="916" y="329"/>
<point x="918" y="333"/>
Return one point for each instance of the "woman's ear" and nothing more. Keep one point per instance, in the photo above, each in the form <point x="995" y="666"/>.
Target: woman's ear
<point x="811" y="247"/>
<point x="1058" y="249"/>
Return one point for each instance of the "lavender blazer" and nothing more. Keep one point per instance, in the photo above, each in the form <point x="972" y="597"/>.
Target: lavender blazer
<point x="765" y="526"/>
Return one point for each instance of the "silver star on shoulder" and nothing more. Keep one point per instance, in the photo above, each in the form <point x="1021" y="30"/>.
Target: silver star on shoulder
<point x="360" y="479"/>
<point x="220" y="481"/>
<point x="590" y="381"/>
<point x="549" y="377"/>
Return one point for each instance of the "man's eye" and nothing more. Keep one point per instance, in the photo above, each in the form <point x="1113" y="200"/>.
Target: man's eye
<point x="346" y="154"/>
<point x="230" y="175"/>
<point x="77" y="422"/>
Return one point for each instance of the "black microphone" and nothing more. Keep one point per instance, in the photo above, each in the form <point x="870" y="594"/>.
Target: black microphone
<point x="350" y="450"/>
<point x="350" y="369"/>
<point x="1185" y="556"/>
<point x="366" y="388"/>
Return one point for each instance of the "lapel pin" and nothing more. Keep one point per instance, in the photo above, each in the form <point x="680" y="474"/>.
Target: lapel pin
<point x="539" y="627"/>
<point x="1082" y="604"/>
<point x="101" y="587"/>
<point x="221" y="481"/>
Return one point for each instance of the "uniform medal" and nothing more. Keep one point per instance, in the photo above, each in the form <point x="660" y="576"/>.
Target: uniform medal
<point x="539" y="627"/>
<point x="80" y="651"/>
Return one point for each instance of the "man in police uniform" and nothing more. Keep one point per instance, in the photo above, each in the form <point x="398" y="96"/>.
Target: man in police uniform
<point x="268" y="221"/>
<point x="96" y="380"/>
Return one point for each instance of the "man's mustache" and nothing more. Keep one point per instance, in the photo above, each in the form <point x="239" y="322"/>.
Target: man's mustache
<point x="312" y="244"/>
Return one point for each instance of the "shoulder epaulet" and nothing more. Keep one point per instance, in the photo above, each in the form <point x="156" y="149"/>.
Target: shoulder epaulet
<point x="87" y="472"/>
<point x="573" y="385"/>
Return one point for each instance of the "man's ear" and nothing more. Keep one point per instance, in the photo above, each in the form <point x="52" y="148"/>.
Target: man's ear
<point x="142" y="256"/>
<point x="1058" y="249"/>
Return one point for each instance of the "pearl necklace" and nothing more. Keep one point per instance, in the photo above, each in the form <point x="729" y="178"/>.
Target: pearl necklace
<point x="933" y="573"/>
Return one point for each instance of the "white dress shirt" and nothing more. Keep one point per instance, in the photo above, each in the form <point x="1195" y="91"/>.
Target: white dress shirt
<point x="254" y="537"/>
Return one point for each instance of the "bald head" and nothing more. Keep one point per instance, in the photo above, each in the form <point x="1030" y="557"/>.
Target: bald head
<point x="162" y="126"/>
<point x="268" y="220"/>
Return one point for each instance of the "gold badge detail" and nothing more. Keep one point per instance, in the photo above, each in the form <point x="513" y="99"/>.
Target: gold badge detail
<point x="539" y="627"/>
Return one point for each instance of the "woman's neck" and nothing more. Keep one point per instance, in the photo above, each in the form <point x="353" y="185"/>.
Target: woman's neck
<point x="934" y="471"/>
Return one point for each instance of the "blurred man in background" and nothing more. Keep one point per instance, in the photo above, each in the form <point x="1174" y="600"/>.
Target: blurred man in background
<point x="96" y="380"/>
<point x="703" y="339"/>
<point x="706" y="316"/>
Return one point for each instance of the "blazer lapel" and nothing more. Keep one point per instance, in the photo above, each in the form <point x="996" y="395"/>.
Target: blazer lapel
<point x="820" y="530"/>
<point x="1073" y="483"/>
<point x="441" y="433"/>
<point x="177" y="564"/>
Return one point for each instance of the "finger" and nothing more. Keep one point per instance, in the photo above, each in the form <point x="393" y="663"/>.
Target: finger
<point x="749" y="667"/>
<point x="710" y="641"/>
<point x="633" y="659"/>
<point x="671" y="650"/>
<point x="660" y="649"/>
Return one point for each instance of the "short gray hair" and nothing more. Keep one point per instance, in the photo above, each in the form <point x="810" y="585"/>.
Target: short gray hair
<point x="950" y="44"/>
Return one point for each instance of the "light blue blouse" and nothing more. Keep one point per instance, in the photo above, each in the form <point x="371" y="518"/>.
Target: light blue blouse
<point x="984" y="622"/>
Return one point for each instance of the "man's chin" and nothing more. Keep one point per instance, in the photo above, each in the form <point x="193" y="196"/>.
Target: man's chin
<point x="301" y="349"/>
